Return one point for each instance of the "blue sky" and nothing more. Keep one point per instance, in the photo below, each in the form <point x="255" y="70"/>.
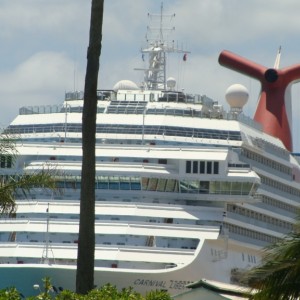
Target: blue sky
<point x="43" y="46"/>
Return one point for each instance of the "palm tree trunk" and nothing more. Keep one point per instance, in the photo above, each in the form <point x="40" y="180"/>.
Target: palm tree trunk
<point x="86" y="244"/>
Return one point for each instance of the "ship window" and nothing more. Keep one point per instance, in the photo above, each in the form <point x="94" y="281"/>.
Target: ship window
<point x="161" y="185"/>
<point x="188" y="166"/>
<point x="145" y="182"/>
<point x="103" y="185"/>
<point x="170" y="186"/>
<point x="184" y="186"/>
<point x="202" y="167"/>
<point x="194" y="187"/>
<point x="2" y="161"/>
<point x="162" y="161"/>
<point x="195" y="167"/>
<point x="9" y="162"/>
<point x="135" y="183"/>
<point x="209" y="167"/>
<point x="216" y="167"/>
<point x="70" y="184"/>
<point x="215" y="187"/>
<point x="124" y="186"/>
<point x="125" y="183"/>
<point x="113" y="185"/>
<point x="59" y="184"/>
<point x="204" y="187"/>
<point x="152" y="184"/>
<point x="135" y="186"/>
<point x="236" y="188"/>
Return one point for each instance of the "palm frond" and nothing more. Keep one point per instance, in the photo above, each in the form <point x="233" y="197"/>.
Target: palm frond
<point x="14" y="185"/>
<point x="8" y="147"/>
<point x="278" y="276"/>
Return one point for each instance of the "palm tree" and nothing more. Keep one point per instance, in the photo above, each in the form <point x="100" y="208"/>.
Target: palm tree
<point x="278" y="277"/>
<point x="86" y="245"/>
<point x="13" y="184"/>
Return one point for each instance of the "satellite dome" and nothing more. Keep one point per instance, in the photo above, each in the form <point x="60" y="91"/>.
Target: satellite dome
<point x="125" y="85"/>
<point x="171" y="83"/>
<point x="237" y="96"/>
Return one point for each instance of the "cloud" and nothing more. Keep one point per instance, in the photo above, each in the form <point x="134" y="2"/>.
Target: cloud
<point x="46" y="17"/>
<point x="41" y="79"/>
<point x="41" y="72"/>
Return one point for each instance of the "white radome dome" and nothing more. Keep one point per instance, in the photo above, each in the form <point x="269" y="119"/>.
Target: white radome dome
<point x="125" y="85"/>
<point x="237" y="96"/>
<point x="171" y="82"/>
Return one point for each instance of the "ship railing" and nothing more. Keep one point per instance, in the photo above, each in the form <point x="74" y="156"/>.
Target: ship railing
<point x="290" y="192"/>
<point x="53" y="109"/>
<point x="258" y="223"/>
<point x="249" y="240"/>
<point x="239" y="166"/>
<point x="42" y="109"/>
<point x="180" y="97"/>
<point x="79" y="95"/>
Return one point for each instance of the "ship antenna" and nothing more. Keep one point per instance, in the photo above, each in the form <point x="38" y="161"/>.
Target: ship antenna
<point x="277" y="60"/>
<point x="158" y="46"/>
<point x="161" y="22"/>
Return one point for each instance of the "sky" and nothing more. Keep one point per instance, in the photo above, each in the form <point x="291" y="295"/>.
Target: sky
<point x="44" y="43"/>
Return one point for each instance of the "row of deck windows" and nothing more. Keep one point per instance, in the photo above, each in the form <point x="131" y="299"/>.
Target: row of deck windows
<point x="159" y="130"/>
<point x="163" y="185"/>
<point x="267" y="162"/>
<point x="279" y="204"/>
<point x="280" y="186"/>
<point x="260" y="217"/>
<point x="201" y="167"/>
<point x="250" y="233"/>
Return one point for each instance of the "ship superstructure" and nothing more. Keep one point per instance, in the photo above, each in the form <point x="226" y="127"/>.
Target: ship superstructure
<point x="184" y="189"/>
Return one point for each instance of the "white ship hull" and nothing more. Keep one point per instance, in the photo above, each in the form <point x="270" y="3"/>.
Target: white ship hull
<point x="174" y="280"/>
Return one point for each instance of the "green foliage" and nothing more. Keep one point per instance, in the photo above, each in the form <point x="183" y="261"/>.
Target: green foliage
<point x="8" y="146"/>
<point x="107" y="292"/>
<point x="278" y="277"/>
<point x="110" y="292"/>
<point x="158" y="295"/>
<point x="10" y="294"/>
<point x="68" y="295"/>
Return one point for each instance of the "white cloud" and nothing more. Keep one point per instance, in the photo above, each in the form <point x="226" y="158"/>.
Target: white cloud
<point x="40" y="80"/>
<point x="43" y="71"/>
<point x="46" y="17"/>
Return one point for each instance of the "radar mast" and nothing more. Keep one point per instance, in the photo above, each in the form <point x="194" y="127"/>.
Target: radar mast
<point x="158" y="45"/>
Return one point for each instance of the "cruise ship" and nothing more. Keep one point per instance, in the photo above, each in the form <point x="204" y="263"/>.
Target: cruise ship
<point x="185" y="189"/>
